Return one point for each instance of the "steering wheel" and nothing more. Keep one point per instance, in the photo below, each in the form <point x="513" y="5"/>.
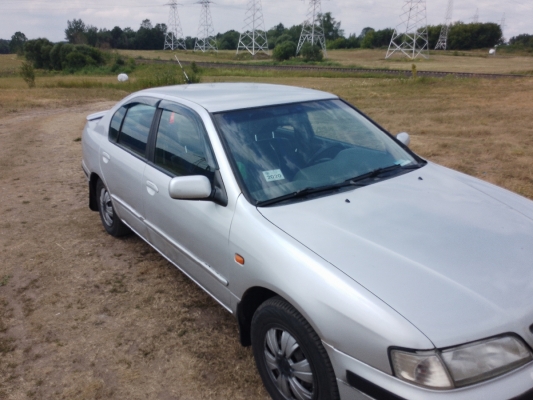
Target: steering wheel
<point x="325" y="154"/>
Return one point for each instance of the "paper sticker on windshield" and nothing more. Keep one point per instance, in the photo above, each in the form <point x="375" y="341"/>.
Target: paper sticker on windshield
<point x="274" y="175"/>
<point x="402" y="163"/>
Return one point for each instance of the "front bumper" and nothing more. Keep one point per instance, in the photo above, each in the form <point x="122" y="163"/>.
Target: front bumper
<point x="361" y="381"/>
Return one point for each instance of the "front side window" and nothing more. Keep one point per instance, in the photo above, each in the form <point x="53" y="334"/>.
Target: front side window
<point x="180" y="146"/>
<point x="282" y="150"/>
<point x="135" y="129"/>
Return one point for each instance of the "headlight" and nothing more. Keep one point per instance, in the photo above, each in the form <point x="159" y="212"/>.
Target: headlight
<point x="483" y="360"/>
<point x="463" y="365"/>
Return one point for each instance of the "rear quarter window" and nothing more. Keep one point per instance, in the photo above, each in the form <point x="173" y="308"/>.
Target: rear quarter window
<point x="133" y="134"/>
<point x="116" y="123"/>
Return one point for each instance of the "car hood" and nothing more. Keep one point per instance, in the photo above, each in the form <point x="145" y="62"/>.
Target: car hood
<point x="452" y="254"/>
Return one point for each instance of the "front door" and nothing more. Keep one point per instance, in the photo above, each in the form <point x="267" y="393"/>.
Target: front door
<point x="192" y="234"/>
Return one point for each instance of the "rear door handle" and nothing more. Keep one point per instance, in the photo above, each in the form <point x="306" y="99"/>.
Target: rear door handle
<point x="152" y="188"/>
<point x="105" y="157"/>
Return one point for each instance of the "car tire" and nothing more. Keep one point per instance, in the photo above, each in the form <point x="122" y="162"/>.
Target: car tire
<point x="112" y="223"/>
<point x="289" y="355"/>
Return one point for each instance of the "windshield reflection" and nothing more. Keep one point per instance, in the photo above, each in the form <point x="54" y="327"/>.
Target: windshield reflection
<point x="283" y="149"/>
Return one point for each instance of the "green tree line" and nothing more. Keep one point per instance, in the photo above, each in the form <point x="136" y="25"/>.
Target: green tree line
<point x="151" y="37"/>
<point x="522" y="42"/>
<point x="471" y="36"/>
<point x="15" y="45"/>
<point x="461" y="36"/>
<point x="62" y="56"/>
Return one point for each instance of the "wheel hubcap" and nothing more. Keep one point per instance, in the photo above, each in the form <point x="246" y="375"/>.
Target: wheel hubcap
<point x="288" y="366"/>
<point x="106" y="206"/>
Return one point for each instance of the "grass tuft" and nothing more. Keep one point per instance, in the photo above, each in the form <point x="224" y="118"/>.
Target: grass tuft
<point x="5" y="280"/>
<point x="27" y="72"/>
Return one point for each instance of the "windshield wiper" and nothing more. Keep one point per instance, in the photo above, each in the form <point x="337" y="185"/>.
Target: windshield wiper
<point x="303" y="192"/>
<point x="348" y="182"/>
<point x="378" y="171"/>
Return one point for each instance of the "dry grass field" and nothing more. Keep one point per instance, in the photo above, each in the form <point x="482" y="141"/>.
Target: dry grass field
<point x="86" y="316"/>
<point x="447" y="61"/>
<point x="183" y="55"/>
<point x="9" y="64"/>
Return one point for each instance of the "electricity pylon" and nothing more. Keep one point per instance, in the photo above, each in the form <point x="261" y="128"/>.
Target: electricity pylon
<point x="313" y="29"/>
<point x="443" y="38"/>
<point x="475" y="20"/>
<point x="254" y="38"/>
<point x="174" y="37"/>
<point x="205" y="40"/>
<point x="410" y="37"/>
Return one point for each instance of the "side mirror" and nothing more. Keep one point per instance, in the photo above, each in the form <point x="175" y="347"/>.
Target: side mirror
<point x="404" y="138"/>
<point x="196" y="187"/>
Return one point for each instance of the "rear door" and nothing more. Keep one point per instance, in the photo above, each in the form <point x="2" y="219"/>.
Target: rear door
<point x="123" y="160"/>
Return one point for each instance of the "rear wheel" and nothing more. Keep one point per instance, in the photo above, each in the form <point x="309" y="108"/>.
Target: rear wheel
<point x="289" y="354"/>
<point x="112" y="223"/>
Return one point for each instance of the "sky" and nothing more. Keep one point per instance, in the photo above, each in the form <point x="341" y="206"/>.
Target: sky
<point x="45" y="18"/>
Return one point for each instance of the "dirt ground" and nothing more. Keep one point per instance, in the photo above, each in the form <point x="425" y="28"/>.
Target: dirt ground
<point x="87" y="316"/>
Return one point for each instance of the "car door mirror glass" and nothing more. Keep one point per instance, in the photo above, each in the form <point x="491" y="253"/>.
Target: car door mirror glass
<point x="404" y="138"/>
<point x="194" y="187"/>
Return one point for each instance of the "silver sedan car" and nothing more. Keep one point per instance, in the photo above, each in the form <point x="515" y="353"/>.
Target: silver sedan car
<point x="355" y="268"/>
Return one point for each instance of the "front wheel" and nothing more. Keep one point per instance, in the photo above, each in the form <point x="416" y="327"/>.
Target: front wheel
<point x="112" y="223"/>
<point x="289" y="355"/>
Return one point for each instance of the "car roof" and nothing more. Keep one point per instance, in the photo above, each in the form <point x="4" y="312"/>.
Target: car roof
<point x="216" y="97"/>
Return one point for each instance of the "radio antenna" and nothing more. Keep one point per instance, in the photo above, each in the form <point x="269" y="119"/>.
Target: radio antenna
<point x="184" y="73"/>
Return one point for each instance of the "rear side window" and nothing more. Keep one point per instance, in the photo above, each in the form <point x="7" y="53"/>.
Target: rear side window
<point x="133" y="134"/>
<point x="180" y="147"/>
<point x="116" y="123"/>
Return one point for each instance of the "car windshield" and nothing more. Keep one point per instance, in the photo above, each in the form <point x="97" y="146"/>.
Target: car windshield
<point x="283" y="150"/>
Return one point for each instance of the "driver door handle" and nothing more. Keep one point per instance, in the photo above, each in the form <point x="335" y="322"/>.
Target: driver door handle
<point x="152" y="187"/>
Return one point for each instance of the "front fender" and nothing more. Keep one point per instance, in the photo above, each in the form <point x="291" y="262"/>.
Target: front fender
<point x="343" y="313"/>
